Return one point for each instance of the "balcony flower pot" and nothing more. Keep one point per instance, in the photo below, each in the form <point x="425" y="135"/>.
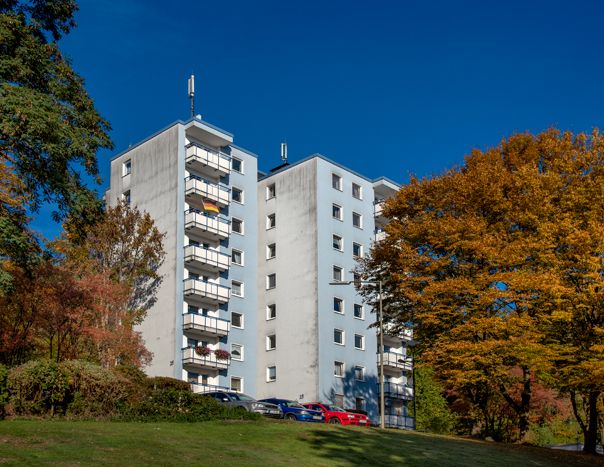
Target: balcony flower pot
<point x="203" y="351"/>
<point x="222" y="354"/>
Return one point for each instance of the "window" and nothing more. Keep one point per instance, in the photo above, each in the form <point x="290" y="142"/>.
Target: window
<point x="338" y="336"/>
<point x="336" y="211"/>
<point x="237" y="165"/>
<point x="271" y="192"/>
<point x="357" y="191"/>
<point x="359" y="403"/>
<point x="338" y="305"/>
<point x="271" y="251"/>
<point x="357" y="250"/>
<point x="237" y="225"/>
<point x="237" y="257"/>
<point x="359" y="342"/>
<point x="337" y="274"/>
<point x="127" y="168"/>
<point x="271" y="221"/>
<point x="358" y="311"/>
<point x="237" y="195"/>
<point x="236" y="352"/>
<point x="336" y="182"/>
<point x="359" y="373"/>
<point x="356" y="277"/>
<point x="271" y="281"/>
<point x="236" y="384"/>
<point x="337" y="243"/>
<point x="338" y="369"/>
<point x="126" y="197"/>
<point x="236" y="320"/>
<point x="357" y="220"/>
<point x="271" y="342"/>
<point x="271" y="311"/>
<point x="237" y="288"/>
<point x="271" y="373"/>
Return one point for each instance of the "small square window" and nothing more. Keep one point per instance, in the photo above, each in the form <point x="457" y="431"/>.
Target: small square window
<point x="237" y="257"/>
<point x="271" y="191"/>
<point x="237" y="225"/>
<point x="357" y="220"/>
<point x="236" y="352"/>
<point x="356" y="277"/>
<point x="338" y="369"/>
<point x="236" y="320"/>
<point x="338" y="274"/>
<point x="359" y="342"/>
<point x="127" y="168"/>
<point x="271" y="311"/>
<point x="237" y="288"/>
<point x="357" y="191"/>
<point x="271" y="251"/>
<point x="359" y="373"/>
<point x="359" y="403"/>
<point x="336" y="211"/>
<point x="338" y="305"/>
<point x="338" y="336"/>
<point x="271" y="281"/>
<point x="337" y="242"/>
<point x="236" y="384"/>
<point x="336" y="182"/>
<point x="126" y="198"/>
<point x="358" y="311"/>
<point x="271" y="221"/>
<point x="357" y="250"/>
<point x="237" y="165"/>
<point x="271" y="342"/>
<point x="237" y="195"/>
<point x="271" y="373"/>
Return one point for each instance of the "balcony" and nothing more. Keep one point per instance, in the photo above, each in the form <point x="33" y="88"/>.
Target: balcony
<point x="205" y="227"/>
<point x="207" y="161"/>
<point x="199" y="388"/>
<point x="404" y="334"/>
<point x="380" y="235"/>
<point x="193" y="362"/>
<point x="202" y="326"/>
<point x="397" y="391"/>
<point x="206" y="260"/>
<point x="378" y="211"/>
<point x="396" y="361"/>
<point x="399" y="421"/>
<point x="200" y="292"/>
<point x="197" y="189"/>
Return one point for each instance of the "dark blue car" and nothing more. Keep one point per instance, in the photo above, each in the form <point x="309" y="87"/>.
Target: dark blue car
<point x="294" y="411"/>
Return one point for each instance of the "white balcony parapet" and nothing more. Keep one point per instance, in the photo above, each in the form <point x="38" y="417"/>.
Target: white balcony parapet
<point x="405" y="334"/>
<point x="206" y="325"/>
<point x="199" y="388"/>
<point x="379" y="208"/>
<point x="380" y="235"/>
<point x="213" y="227"/>
<point x="198" y="187"/>
<point x="397" y="361"/>
<point x="207" y="160"/>
<point x="191" y="359"/>
<point x="206" y="259"/>
<point x="206" y="291"/>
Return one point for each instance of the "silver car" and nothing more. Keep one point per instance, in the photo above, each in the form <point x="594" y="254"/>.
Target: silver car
<point x="238" y="399"/>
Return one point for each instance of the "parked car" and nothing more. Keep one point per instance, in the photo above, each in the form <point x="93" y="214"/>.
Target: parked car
<point x="360" y="417"/>
<point x="238" y="399"/>
<point x="292" y="410"/>
<point x="332" y="413"/>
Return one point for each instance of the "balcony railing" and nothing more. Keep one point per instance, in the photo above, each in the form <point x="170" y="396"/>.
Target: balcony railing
<point x="397" y="391"/>
<point x="191" y="360"/>
<point x="200" y="388"/>
<point x="207" y="227"/>
<point x="206" y="292"/>
<point x="396" y="361"/>
<point x="405" y="334"/>
<point x="198" y="188"/>
<point x="205" y="325"/>
<point x="205" y="259"/>
<point x="399" y="421"/>
<point x="206" y="160"/>
<point x="380" y="235"/>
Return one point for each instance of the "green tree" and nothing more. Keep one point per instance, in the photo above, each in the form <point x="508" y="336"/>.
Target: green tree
<point x="432" y="412"/>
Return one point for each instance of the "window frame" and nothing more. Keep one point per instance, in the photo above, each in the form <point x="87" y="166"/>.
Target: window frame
<point x="271" y="344"/>
<point x="234" y="252"/>
<point x="271" y="221"/>
<point x="360" y="248"/>
<point x="359" y="217"/>
<point x="361" y="307"/>
<point x="336" y="181"/>
<point x="271" y="191"/>
<point x="342" y="336"/>
<point x="272" y="277"/>
<point x="335" y="271"/>
<point x="360" y="191"/>
<point x="235" y="189"/>
<point x="272" y="250"/>
<point x="271" y="307"/>
<point x="338" y="365"/>
<point x="241" y="166"/>
<point x="340" y="241"/>
<point x="240" y="383"/>
<point x="241" y="316"/>
<point x="241" y="348"/>
<point x="270" y="379"/>
<point x="236" y="220"/>
<point x="362" y="338"/>
<point x="362" y="368"/>
<point x="340" y="215"/>
<point x="126" y="167"/>
<point x="241" y="288"/>
<point x="341" y="301"/>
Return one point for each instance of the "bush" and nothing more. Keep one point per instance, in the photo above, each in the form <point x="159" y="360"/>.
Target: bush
<point x="3" y="389"/>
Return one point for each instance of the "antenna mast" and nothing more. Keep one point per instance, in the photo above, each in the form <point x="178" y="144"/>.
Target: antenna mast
<point x="284" y="152"/>
<point x="192" y="94"/>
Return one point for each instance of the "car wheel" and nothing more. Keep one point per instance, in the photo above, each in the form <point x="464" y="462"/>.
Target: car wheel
<point x="290" y="416"/>
<point x="335" y="421"/>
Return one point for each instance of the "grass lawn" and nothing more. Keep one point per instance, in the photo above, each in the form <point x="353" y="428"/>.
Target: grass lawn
<point x="31" y="442"/>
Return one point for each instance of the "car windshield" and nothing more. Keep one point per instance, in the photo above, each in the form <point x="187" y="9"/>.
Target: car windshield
<point x="334" y="408"/>
<point x="294" y="404"/>
<point x="242" y="397"/>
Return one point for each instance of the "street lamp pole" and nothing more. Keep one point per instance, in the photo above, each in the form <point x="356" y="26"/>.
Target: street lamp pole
<point x="381" y="346"/>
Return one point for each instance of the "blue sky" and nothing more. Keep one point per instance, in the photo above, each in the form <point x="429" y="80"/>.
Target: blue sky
<point x="385" y="87"/>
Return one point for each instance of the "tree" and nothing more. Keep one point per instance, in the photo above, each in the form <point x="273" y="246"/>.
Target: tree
<point x="498" y="264"/>
<point x="433" y="413"/>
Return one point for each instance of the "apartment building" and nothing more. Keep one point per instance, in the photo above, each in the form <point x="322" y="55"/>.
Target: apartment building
<point x="246" y="302"/>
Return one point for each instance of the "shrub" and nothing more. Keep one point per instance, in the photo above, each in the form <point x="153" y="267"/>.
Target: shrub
<point x="3" y="389"/>
<point x="164" y="382"/>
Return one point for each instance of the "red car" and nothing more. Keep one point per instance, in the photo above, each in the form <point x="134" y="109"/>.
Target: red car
<point x="359" y="419"/>
<point x="332" y="413"/>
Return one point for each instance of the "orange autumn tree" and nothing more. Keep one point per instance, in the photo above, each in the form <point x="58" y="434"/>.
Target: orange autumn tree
<point x="497" y="264"/>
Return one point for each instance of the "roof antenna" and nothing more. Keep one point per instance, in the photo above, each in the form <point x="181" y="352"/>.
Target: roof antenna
<point x="284" y="152"/>
<point x="192" y="94"/>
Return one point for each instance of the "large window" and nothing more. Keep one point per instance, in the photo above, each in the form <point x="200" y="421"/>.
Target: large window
<point x="271" y="281"/>
<point x="271" y="342"/>
<point x="271" y="311"/>
<point x="338" y="369"/>
<point x="338" y="336"/>
<point x="337" y="242"/>
<point x="336" y="211"/>
<point x="237" y="225"/>
<point x="336" y="182"/>
<point x="357" y="220"/>
<point x="271" y="373"/>
<point x="237" y="288"/>
<point x="357" y="191"/>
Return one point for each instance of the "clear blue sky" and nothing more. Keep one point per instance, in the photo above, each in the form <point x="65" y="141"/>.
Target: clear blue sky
<point x="384" y="87"/>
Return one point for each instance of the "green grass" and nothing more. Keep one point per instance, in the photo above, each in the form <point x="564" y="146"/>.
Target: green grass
<point x="235" y="443"/>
